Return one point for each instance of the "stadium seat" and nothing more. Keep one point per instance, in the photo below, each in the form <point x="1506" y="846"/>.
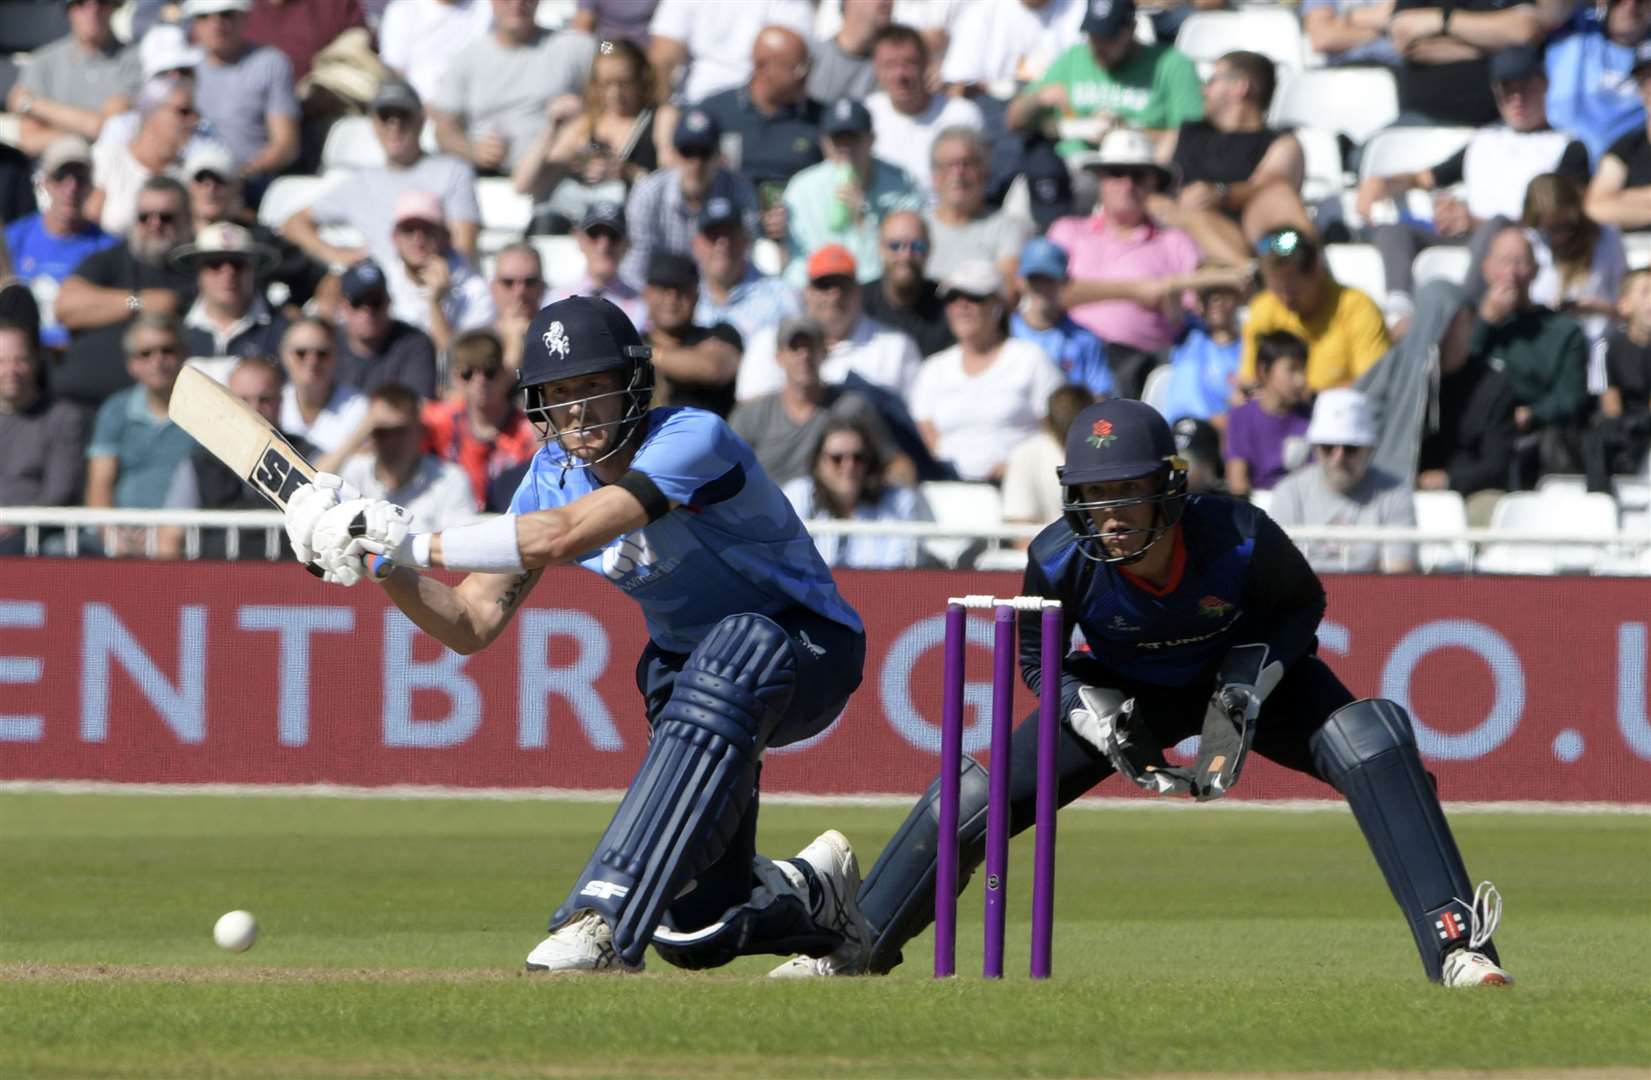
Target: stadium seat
<point x="1442" y="510"/>
<point x="1565" y="484"/>
<point x="554" y="14"/>
<point x="961" y="505"/>
<point x="289" y="194"/>
<point x="351" y="144"/>
<point x="1156" y="387"/>
<point x="1275" y="33"/>
<point x="1352" y="101"/>
<point x="1321" y="153"/>
<point x="564" y="262"/>
<point x="1446" y="262"/>
<point x="1262" y="500"/>
<point x="1408" y="149"/>
<point x="505" y="213"/>
<point x="11" y="128"/>
<point x="1633" y="492"/>
<point x="1557" y="512"/>
<point x="1359" y="266"/>
<point x="1003" y="558"/>
<point x="1636" y="248"/>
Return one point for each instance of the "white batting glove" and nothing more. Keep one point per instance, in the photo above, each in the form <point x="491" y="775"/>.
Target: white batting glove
<point x="305" y="508"/>
<point x="345" y="534"/>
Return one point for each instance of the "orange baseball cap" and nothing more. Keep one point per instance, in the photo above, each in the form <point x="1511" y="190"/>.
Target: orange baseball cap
<point x="833" y="260"/>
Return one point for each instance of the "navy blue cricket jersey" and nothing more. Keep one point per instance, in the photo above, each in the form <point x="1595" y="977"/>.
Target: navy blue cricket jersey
<point x="1236" y="580"/>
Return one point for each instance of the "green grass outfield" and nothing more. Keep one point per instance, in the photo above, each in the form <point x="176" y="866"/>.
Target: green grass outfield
<point x="1201" y="942"/>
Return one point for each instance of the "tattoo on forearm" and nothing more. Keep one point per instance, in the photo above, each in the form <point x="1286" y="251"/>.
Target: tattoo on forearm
<point x="518" y="588"/>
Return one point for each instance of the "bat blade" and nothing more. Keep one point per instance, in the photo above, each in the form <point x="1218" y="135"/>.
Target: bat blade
<point x="237" y="436"/>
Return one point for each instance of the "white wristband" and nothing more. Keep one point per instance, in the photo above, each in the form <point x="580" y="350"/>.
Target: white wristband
<point x="487" y="547"/>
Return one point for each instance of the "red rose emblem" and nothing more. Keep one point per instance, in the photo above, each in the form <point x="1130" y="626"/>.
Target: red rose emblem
<point x="1103" y="427"/>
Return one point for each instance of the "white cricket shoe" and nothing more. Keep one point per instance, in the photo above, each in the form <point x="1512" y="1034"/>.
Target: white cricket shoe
<point x="1469" y="966"/>
<point x="585" y="944"/>
<point x="832" y="858"/>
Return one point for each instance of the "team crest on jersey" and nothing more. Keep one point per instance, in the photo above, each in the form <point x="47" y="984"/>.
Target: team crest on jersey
<point x="1101" y="436"/>
<point x="1213" y="607"/>
<point x="556" y="340"/>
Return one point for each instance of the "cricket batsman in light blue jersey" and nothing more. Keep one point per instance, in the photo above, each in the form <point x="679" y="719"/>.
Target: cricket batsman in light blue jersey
<point x="750" y="644"/>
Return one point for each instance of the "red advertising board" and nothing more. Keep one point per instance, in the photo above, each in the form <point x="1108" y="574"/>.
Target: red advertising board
<point x="1522" y="688"/>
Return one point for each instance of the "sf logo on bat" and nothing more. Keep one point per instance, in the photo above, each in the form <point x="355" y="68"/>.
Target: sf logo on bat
<point x="276" y="477"/>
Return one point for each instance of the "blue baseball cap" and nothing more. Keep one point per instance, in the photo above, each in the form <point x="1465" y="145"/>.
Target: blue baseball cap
<point x="1108" y="18"/>
<point x="1116" y="439"/>
<point x="846" y="115"/>
<point x="719" y="211"/>
<point x="698" y="131"/>
<point x="1042" y="257"/>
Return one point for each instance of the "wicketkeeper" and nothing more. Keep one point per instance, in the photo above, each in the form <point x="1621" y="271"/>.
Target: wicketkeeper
<point x="1200" y="617"/>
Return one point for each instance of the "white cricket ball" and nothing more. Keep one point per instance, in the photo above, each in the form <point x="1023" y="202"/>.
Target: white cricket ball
<point x="235" y="931"/>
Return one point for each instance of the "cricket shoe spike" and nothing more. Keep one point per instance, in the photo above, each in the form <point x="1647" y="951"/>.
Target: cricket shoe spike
<point x="1468" y="966"/>
<point x="585" y="944"/>
<point x="837" y="871"/>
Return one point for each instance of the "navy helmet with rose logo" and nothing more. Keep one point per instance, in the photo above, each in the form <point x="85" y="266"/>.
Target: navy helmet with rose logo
<point x="578" y="336"/>
<point x="1113" y="440"/>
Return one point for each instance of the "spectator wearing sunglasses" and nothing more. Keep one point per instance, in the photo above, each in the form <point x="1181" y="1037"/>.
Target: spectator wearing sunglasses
<point x="603" y="240"/>
<point x="315" y="403"/>
<point x="47" y="246"/>
<point x="167" y="119"/>
<point x="478" y="425"/>
<point x="229" y="319"/>
<point x="1344" y="329"/>
<point x="848" y="481"/>
<point x="432" y="286"/>
<point x="373" y="347"/>
<point x="99" y="299"/>
<point x="395" y="467"/>
<point x="905" y="298"/>
<point x="217" y="193"/>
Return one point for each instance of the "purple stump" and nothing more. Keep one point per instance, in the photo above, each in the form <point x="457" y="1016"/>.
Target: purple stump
<point x="1004" y="654"/>
<point x="951" y="765"/>
<point x="1049" y="716"/>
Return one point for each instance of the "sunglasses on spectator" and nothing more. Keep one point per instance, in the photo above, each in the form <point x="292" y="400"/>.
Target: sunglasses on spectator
<point x="1345" y="449"/>
<point x="218" y="262"/>
<point x="969" y="298"/>
<point x="158" y="217"/>
<point x="858" y="457"/>
<point x="832" y="281"/>
<point x="206" y="177"/>
<point x="185" y="111"/>
<point x="306" y="352"/>
<point x="1284" y="242"/>
<point x="900" y="247"/>
<point x="466" y="374"/>
<point x="1124" y="172"/>
<point x="71" y="172"/>
<point x="520" y="282"/>
<point x="695" y="154"/>
<point x="153" y="351"/>
<point x="387" y="115"/>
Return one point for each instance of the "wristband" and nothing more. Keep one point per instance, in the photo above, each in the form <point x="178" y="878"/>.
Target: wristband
<point x="487" y="547"/>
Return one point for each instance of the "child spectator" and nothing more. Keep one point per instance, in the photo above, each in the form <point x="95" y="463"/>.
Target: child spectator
<point x="1203" y="366"/>
<point x="1621" y="435"/>
<point x="1265" y="434"/>
<point x="1042" y="320"/>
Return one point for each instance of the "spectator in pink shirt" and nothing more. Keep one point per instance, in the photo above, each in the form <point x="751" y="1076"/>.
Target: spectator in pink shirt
<point x="1127" y="271"/>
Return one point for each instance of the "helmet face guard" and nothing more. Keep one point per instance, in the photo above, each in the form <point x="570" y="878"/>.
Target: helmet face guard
<point x="638" y="393"/>
<point x="1168" y="504"/>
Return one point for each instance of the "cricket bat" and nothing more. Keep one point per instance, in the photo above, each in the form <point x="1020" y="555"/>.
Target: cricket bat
<point x="237" y="436"/>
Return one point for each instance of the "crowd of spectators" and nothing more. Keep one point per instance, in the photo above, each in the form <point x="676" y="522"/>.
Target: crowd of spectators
<point x="893" y="241"/>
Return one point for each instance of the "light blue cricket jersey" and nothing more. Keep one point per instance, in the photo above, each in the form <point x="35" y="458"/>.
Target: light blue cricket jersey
<point x="733" y="545"/>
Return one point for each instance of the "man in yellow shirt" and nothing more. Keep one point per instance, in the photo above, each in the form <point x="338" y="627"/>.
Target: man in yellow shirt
<point x="1343" y="327"/>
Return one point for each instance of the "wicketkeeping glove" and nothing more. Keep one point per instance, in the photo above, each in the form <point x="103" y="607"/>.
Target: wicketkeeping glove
<point x="1243" y="682"/>
<point x="1107" y="722"/>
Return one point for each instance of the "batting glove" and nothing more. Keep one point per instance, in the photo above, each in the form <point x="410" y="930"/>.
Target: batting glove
<point x="305" y="508"/>
<point x="346" y="534"/>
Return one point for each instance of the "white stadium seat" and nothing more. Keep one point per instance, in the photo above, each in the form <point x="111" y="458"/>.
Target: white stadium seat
<point x="1354" y="101"/>
<point x="1321" y="153"/>
<point x="964" y="505"/>
<point x="564" y="262"/>
<point x="1442" y="510"/>
<point x="1409" y="149"/>
<point x="1358" y="266"/>
<point x="1445" y="262"/>
<point x="351" y="144"/>
<point x="1262" y="500"/>
<point x="1636" y="248"/>
<point x="1558" y="512"/>
<point x="1566" y="484"/>
<point x="1275" y="33"/>
<point x="287" y="195"/>
<point x="1155" y="387"/>
<point x="505" y="213"/>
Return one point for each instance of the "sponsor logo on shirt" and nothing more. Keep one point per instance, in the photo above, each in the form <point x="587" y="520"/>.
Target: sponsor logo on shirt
<point x="631" y="562"/>
<point x="1213" y="607"/>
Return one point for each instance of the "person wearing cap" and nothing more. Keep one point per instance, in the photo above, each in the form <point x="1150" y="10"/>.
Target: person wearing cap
<point x="479" y="425"/>
<point x="906" y="115"/>
<point x="840" y="65"/>
<point x="417" y="38"/>
<point x="962" y="226"/>
<point x="245" y="91"/>
<point x="1231" y="163"/>
<point x="1343" y="327"/>
<point x="491" y="102"/>
<point x="662" y="212"/>
<point x="436" y="494"/>
<point x="603" y="241"/>
<point x="1113" y="79"/>
<point x="71" y="85"/>
<point x="1031" y="476"/>
<point x="45" y="247"/>
<point x="617" y="137"/>
<point x="856" y="345"/>
<point x="784" y="427"/>
<point x="432" y="286"/>
<point x="749" y="644"/>
<point x="167" y="123"/>
<point x="1493" y="170"/>
<point x="216" y="194"/>
<point x="905" y="298"/>
<point x="1199" y="443"/>
<point x="99" y="299"/>
<point x="844" y="198"/>
<point x="1201" y="618"/>
<point x="367" y="203"/>
<point x="229" y="318"/>
<point x="696" y="364"/>
<point x="732" y="290"/>
<point x="372" y="346"/>
<point x="771" y="119"/>
<point x="1128" y="271"/>
<point x="974" y="401"/>
<point x="1041" y="319"/>
<point x="1340" y="487"/>
<point x="1448" y="47"/>
<point x="1620" y="192"/>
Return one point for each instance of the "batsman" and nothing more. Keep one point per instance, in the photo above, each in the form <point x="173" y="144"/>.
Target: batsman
<point x="1199" y="617"/>
<point x="750" y="644"/>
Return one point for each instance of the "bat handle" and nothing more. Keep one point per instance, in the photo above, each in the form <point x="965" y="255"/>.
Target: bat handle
<point x="379" y="567"/>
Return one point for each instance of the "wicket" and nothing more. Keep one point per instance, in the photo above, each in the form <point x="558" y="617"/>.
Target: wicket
<point x="1005" y="651"/>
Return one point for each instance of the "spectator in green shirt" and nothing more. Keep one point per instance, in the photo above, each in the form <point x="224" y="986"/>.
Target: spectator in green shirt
<point x="1112" y="77"/>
